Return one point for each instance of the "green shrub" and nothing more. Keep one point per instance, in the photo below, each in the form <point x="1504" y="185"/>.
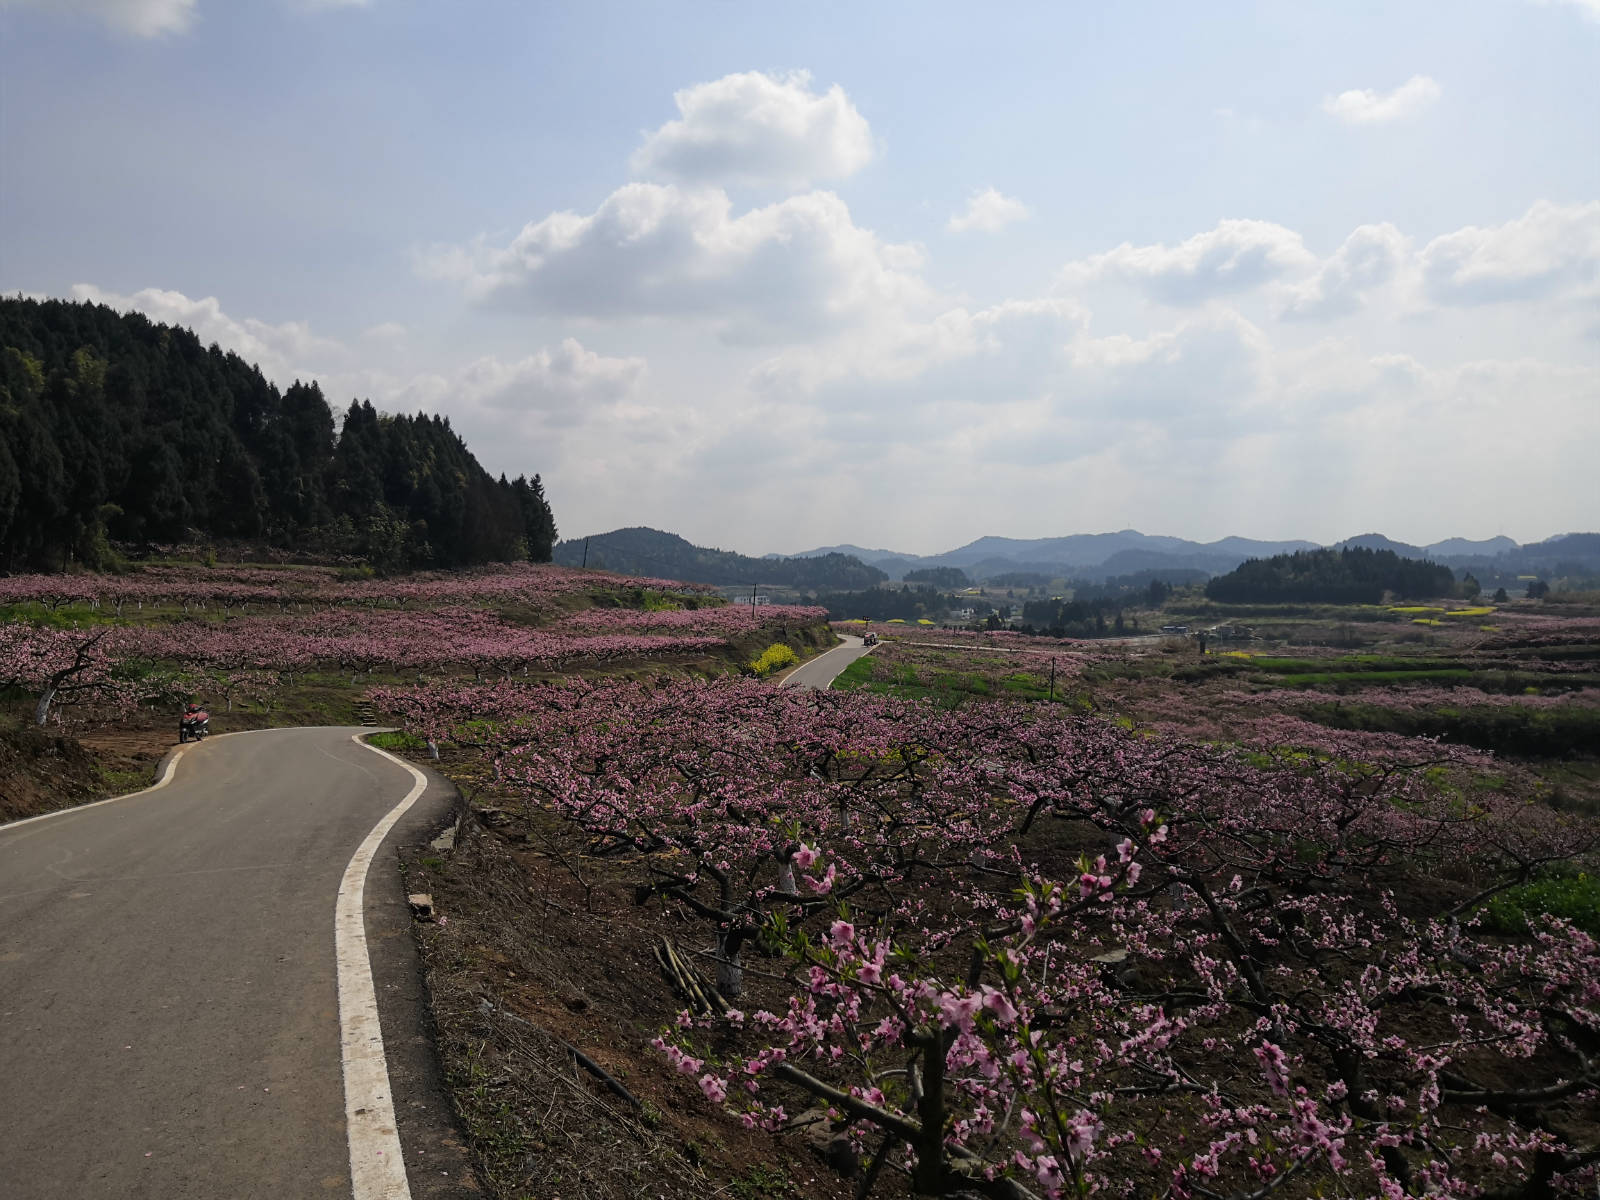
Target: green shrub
<point x="774" y="658"/>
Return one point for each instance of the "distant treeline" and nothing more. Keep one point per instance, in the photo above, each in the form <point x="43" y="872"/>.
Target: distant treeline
<point x="908" y="602"/>
<point x="1096" y="609"/>
<point x="939" y="577"/>
<point x="1353" y="575"/>
<point x="114" y="428"/>
<point x="643" y="551"/>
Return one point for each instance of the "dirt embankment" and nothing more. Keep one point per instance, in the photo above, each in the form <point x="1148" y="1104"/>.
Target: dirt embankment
<point x="534" y="951"/>
<point x="42" y="770"/>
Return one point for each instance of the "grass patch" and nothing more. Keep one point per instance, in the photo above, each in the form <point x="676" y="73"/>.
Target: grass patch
<point x="856" y="676"/>
<point x="397" y="741"/>
<point x="1576" y="897"/>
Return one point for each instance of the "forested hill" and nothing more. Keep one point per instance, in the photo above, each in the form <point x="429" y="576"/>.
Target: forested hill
<point x="1352" y="575"/>
<point x="116" y="429"/>
<point x="642" y="551"/>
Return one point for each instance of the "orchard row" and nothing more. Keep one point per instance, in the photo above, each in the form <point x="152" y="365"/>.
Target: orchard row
<point x="230" y="588"/>
<point x="1018" y="952"/>
<point x="103" y="669"/>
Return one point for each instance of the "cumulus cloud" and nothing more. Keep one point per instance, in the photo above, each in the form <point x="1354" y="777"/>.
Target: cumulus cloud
<point x="557" y="388"/>
<point x="788" y="271"/>
<point x="1209" y="415"/>
<point x="987" y="211"/>
<point x="141" y="18"/>
<point x="760" y="130"/>
<point x="281" y="350"/>
<point x="1201" y="375"/>
<point x="1007" y="346"/>
<point x="1370" y="257"/>
<point x="1365" y="106"/>
<point x="581" y="419"/>
<point x="1236" y="256"/>
<point x="1551" y="252"/>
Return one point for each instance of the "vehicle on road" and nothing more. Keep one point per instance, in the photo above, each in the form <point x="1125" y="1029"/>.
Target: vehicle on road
<point x="194" y="724"/>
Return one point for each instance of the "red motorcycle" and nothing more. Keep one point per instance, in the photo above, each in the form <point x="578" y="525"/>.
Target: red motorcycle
<point x="194" y="724"/>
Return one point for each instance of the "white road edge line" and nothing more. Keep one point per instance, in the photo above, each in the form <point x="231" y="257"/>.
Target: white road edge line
<point x="377" y="1166"/>
<point x="167" y="773"/>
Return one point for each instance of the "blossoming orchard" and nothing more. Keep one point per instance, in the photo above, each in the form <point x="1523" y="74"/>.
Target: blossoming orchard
<point x="1035" y="953"/>
<point x="1008" y="916"/>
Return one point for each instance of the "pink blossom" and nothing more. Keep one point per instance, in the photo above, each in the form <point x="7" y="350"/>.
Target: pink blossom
<point x="716" y="1091"/>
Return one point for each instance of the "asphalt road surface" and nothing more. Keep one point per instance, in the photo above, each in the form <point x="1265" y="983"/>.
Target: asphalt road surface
<point x="169" y="1007"/>
<point x="821" y="671"/>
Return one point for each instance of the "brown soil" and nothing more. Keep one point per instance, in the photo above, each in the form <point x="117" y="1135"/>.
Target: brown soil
<point x="535" y="949"/>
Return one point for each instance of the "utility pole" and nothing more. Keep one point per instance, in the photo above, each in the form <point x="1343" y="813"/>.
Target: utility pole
<point x="1052" y="680"/>
<point x="753" y="587"/>
<point x="585" y="552"/>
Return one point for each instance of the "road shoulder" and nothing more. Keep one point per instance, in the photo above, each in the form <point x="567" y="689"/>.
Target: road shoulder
<point x="438" y="1163"/>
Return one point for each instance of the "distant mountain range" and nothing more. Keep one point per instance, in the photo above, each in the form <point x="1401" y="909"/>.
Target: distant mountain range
<point x="1103" y="555"/>
<point x="643" y="551"/>
<point x="1081" y="556"/>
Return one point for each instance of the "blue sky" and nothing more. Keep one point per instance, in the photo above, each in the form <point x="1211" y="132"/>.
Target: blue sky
<point x="774" y="277"/>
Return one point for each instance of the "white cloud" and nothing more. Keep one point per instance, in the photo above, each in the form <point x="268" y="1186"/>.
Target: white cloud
<point x="1236" y="256"/>
<point x="987" y="211"/>
<point x="757" y="129"/>
<point x="1551" y="252"/>
<point x="1364" y="106"/>
<point x="1549" y="255"/>
<point x="790" y="271"/>
<point x="1008" y="346"/>
<point x="141" y="18"/>
<point x="551" y="388"/>
<point x="580" y="419"/>
<point x="282" y="351"/>
<point x="1371" y="257"/>
<point x="1056" y="430"/>
<point x="1589" y="8"/>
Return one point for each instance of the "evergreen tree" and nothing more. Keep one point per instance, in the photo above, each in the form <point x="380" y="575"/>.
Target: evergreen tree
<point x="114" y="426"/>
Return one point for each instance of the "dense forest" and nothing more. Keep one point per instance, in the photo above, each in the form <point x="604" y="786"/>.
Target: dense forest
<point x="115" y="430"/>
<point x="1353" y="575"/>
<point x="643" y="551"/>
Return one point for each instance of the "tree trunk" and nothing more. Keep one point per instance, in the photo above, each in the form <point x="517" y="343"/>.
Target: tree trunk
<point x="433" y="750"/>
<point x="42" y="712"/>
<point x="730" y="967"/>
<point x="786" y="878"/>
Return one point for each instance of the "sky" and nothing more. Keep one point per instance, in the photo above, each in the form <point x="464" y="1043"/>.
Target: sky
<point x="902" y="275"/>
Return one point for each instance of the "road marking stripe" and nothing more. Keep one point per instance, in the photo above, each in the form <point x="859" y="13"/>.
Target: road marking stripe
<point x="377" y="1167"/>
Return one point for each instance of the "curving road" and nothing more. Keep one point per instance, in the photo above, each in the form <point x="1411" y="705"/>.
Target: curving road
<point x="821" y="671"/>
<point x="169" y="1003"/>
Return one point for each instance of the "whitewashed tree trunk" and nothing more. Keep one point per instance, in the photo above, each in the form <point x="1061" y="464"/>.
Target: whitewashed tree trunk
<point x="786" y="878"/>
<point x="42" y="712"/>
<point x="433" y="750"/>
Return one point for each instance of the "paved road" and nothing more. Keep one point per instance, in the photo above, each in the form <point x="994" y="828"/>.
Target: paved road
<point x="169" y="1012"/>
<point x="821" y="671"/>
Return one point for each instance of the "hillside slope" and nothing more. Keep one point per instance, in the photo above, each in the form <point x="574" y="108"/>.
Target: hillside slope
<point x="643" y="551"/>
<point x="115" y="428"/>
